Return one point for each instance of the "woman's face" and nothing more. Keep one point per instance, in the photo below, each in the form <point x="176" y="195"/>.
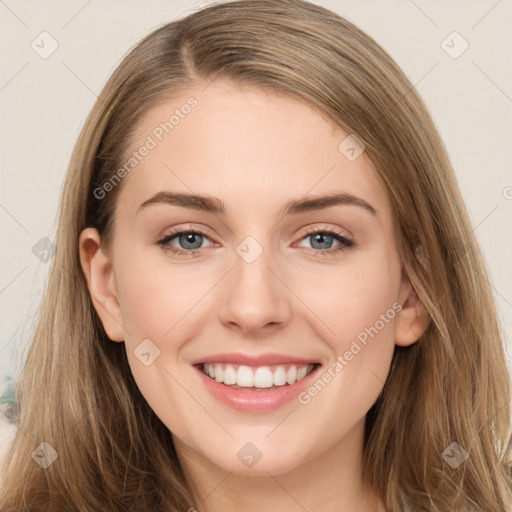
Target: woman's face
<point x="272" y="282"/>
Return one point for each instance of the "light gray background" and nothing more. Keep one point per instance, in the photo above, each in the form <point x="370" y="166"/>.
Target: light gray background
<point x="44" y="104"/>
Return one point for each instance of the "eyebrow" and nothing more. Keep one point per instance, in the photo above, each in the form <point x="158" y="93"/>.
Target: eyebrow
<point x="215" y="205"/>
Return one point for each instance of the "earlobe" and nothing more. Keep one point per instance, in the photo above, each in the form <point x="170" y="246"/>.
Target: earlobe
<point x="99" y="274"/>
<point x="412" y="320"/>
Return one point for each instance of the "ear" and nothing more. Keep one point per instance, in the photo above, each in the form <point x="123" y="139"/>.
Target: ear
<point x="412" y="320"/>
<point x="101" y="282"/>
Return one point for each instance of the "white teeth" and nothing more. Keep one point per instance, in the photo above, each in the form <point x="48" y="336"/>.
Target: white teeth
<point x="229" y="375"/>
<point x="301" y="372"/>
<point x="263" y="377"/>
<point x="245" y="377"/>
<point x="279" y="376"/>
<point x="219" y="373"/>
<point x="291" y="375"/>
<point x="260" y="377"/>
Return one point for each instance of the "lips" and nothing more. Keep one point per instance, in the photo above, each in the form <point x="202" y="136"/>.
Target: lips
<point x="253" y="383"/>
<point x="259" y="371"/>
<point x="268" y="359"/>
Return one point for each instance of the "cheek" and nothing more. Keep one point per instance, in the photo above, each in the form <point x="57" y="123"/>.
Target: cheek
<point x="367" y="311"/>
<point x="158" y="307"/>
<point x="355" y="300"/>
<point x="156" y="300"/>
<point x="360" y="307"/>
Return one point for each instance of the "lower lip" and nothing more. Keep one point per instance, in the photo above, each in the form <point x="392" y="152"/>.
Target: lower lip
<point x="256" y="401"/>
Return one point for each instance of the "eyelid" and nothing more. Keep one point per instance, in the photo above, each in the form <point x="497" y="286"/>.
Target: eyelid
<point x="344" y="241"/>
<point x="311" y="230"/>
<point x="202" y="230"/>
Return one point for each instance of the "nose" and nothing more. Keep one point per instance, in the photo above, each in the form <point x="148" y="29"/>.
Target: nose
<point x="256" y="299"/>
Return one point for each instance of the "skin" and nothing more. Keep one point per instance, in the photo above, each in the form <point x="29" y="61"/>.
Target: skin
<point x="255" y="151"/>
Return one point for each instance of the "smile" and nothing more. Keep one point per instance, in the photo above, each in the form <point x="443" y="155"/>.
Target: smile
<point x="255" y="384"/>
<point x="257" y="378"/>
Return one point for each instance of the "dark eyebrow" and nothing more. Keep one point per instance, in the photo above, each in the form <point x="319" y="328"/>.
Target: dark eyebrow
<point x="203" y="203"/>
<point x="318" y="203"/>
<point x="214" y="205"/>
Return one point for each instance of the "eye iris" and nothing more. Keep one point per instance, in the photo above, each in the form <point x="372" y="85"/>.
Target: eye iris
<point x="319" y="237"/>
<point x="189" y="238"/>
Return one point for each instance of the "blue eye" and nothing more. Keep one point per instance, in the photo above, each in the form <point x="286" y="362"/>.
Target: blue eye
<point x="323" y="238"/>
<point x="191" y="240"/>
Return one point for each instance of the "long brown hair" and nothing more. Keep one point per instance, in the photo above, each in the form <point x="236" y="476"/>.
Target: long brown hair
<point x="76" y="392"/>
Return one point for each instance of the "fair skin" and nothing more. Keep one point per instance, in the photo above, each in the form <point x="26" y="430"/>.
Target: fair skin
<point x="255" y="151"/>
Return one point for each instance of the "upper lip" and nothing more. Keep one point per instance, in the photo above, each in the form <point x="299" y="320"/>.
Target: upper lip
<point x="254" y="360"/>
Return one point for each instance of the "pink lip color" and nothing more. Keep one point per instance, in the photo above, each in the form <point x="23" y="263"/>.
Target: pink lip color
<point x="253" y="360"/>
<point x="256" y="401"/>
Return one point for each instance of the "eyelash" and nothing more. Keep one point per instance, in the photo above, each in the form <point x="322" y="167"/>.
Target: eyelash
<point x="345" y="243"/>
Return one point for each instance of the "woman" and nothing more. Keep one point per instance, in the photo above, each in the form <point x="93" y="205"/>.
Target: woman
<point x="328" y="341"/>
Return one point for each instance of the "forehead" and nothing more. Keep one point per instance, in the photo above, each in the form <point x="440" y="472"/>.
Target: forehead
<point x="252" y="148"/>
